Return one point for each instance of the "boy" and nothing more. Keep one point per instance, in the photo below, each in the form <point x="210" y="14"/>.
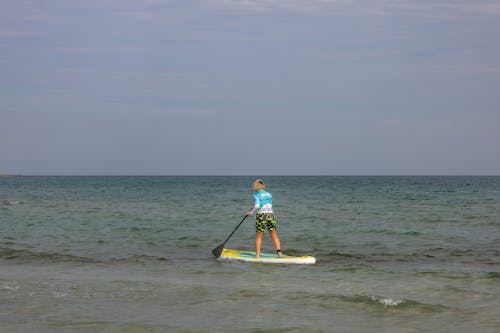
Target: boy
<point x="263" y="206"/>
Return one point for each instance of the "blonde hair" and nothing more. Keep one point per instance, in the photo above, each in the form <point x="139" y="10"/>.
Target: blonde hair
<point x="259" y="185"/>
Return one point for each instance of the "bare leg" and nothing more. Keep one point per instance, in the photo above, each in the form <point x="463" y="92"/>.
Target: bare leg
<point x="258" y="243"/>
<point x="276" y="241"/>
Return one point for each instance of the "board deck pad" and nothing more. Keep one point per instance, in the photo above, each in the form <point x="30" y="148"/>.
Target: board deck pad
<point x="248" y="256"/>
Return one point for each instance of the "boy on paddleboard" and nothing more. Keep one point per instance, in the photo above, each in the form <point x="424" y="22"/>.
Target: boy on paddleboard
<point x="263" y="206"/>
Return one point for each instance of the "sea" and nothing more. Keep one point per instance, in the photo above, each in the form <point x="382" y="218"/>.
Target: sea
<point x="133" y="254"/>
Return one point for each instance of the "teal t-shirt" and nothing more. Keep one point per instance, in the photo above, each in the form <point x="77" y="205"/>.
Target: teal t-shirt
<point x="263" y="202"/>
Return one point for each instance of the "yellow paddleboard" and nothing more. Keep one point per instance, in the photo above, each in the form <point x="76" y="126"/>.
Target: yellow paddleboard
<point x="267" y="258"/>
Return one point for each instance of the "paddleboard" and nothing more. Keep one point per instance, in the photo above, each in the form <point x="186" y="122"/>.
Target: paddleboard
<point x="268" y="258"/>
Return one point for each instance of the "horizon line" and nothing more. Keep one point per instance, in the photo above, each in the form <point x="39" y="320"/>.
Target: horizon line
<point x="249" y="175"/>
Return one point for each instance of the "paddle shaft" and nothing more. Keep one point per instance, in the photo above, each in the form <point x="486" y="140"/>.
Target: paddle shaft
<point x="235" y="230"/>
<point x="218" y="250"/>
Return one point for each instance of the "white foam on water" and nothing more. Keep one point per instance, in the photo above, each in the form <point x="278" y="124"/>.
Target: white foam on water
<point x="388" y="301"/>
<point x="9" y="287"/>
<point x="12" y="202"/>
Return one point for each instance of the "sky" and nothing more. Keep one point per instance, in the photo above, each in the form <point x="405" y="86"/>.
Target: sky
<point x="252" y="87"/>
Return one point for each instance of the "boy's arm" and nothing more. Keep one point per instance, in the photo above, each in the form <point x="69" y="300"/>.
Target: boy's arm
<point x="256" y="206"/>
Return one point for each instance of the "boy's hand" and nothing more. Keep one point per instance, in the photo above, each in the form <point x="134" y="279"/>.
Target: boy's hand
<point x="248" y="213"/>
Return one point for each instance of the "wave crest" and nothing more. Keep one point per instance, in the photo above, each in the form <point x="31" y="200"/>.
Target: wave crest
<point x="30" y="256"/>
<point x="10" y="202"/>
<point x="25" y="256"/>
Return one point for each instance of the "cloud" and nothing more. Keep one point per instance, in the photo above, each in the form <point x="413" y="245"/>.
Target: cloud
<point x="383" y="7"/>
<point x="261" y="5"/>
<point x="491" y="7"/>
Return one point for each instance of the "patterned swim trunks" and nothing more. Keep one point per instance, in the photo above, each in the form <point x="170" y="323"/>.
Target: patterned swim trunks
<point x="263" y="220"/>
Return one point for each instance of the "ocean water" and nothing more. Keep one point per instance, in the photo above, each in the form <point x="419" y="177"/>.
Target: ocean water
<point x="132" y="254"/>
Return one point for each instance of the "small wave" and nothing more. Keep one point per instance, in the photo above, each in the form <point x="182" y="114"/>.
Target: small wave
<point x="392" y="232"/>
<point x="29" y="256"/>
<point x="10" y="202"/>
<point x="60" y="294"/>
<point x="140" y="258"/>
<point x="493" y="275"/>
<point x="339" y="258"/>
<point x="345" y="255"/>
<point x="9" y="287"/>
<point x="375" y="301"/>
<point x="388" y="301"/>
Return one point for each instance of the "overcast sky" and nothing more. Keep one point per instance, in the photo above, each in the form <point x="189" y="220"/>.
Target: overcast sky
<point x="250" y="87"/>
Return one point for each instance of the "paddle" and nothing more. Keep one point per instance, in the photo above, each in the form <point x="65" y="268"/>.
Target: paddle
<point x="218" y="250"/>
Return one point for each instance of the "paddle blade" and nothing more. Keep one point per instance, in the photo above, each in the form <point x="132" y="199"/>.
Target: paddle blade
<point x="218" y="251"/>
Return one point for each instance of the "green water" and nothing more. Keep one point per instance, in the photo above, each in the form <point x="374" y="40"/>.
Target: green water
<point x="132" y="254"/>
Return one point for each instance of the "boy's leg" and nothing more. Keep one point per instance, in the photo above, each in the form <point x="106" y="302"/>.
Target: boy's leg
<point x="260" y="228"/>
<point x="276" y="241"/>
<point x="258" y="243"/>
<point x="273" y="231"/>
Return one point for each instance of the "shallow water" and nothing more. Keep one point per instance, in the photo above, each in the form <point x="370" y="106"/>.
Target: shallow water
<point x="129" y="254"/>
